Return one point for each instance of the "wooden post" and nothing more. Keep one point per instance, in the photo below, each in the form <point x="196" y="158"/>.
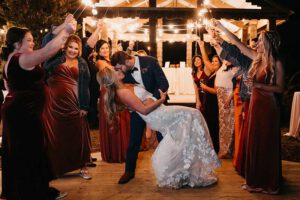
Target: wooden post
<point x="160" y="46"/>
<point x="189" y="47"/>
<point x="152" y="31"/>
<point x="114" y="42"/>
<point x="83" y="28"/>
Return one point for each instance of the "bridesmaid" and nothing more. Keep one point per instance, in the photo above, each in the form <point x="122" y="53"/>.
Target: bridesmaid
<point x="199" y="76"/>
<point x="211" y="109"/>
<point x="68" y="131"/>
<point x="25" y="169"/>
<point x="113" y="139"/>
<point x="263" y="155"/>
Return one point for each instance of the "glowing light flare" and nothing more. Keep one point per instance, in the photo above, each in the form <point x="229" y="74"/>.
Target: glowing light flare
<point x="87" y="2"/>
<point x="94" y="23"/>
<point x="206" y="2"/>
<point x="94" y="11"/>
<point x="171" y="26"/>
<point x="176" y="31"/>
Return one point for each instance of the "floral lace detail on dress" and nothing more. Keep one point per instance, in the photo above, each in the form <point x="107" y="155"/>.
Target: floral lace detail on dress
<point x="185" y="157"/>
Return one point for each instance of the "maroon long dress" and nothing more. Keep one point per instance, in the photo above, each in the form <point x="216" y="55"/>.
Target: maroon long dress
<point x="202" y="95"/>
<point x="113" y="140"/>
<point x="263" y="156"/>
<point x="69" y="145"/>
<point x="25" y="171"/>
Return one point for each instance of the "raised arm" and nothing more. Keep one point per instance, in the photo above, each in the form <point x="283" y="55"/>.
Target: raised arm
<point x="204" y="54"/>
<point x="89" y="44"/>
<point x="95" y="35"/>
<point x="235" y="40"/>
<point x="130" y="99"/>
<point x="29" y="60"/>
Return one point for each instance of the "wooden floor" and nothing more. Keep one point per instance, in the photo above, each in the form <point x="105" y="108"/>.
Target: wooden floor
<point x="143" y="186"/>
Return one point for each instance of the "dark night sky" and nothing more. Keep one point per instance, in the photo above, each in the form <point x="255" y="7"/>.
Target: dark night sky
<point x="290" y="37"/>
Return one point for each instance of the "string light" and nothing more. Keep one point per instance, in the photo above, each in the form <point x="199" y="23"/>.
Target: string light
<point x="94" y="11"/>
<point x="171" y="26"/>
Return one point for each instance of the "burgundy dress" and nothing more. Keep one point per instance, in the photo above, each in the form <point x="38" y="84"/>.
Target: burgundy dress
<point x="113" y="140"/>
<point x="263" y="155"/>
<point x="25" y="171"/>
<point x="202" y="95"/>
<point x="69" y="145"/>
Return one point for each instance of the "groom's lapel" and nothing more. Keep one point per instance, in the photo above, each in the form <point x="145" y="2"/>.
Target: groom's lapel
<point x="144" y="71"/>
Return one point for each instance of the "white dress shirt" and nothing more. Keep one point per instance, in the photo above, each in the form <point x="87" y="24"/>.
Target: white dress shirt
<point x="137" y="75"/>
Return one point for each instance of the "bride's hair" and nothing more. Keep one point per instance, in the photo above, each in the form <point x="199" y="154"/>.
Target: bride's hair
<point x="106" y="78"/>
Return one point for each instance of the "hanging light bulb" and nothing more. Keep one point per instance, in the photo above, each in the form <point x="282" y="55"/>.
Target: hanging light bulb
<point x="206" y="2"/>
<point x="87" y="2"/>
<point x="171" y="26"/>
<point x="94" y="11"/>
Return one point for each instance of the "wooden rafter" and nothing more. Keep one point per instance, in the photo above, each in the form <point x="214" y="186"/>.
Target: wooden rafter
<point x="187" y="13"/>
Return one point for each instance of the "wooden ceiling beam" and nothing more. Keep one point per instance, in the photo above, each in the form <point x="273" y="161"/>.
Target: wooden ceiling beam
<point x="186" y="13"/>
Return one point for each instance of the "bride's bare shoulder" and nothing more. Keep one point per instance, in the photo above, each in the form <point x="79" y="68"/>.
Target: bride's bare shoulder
<point x="125" y="89"/>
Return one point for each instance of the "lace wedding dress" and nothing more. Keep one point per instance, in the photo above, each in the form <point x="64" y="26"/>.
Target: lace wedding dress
<point x="185" y="156"/>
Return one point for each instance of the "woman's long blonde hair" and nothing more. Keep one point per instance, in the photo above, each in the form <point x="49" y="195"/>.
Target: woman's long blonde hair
<point x="271" y="43"/>
<point x="106" y="78"/>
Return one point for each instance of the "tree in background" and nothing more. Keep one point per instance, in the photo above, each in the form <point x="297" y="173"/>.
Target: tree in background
<point x="37" y="15"/>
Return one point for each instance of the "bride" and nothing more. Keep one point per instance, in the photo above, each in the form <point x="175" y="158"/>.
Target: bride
<point x="185" y="156"/>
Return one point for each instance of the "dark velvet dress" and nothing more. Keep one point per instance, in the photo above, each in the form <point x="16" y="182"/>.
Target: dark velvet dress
<point x="211" y="113"/>
<point x="25" y="171"/>
<point x="263" y="160"/>
<point x="69" y="145"/>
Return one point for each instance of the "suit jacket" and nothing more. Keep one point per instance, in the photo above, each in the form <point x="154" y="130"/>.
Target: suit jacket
<point x="152" y="75"/>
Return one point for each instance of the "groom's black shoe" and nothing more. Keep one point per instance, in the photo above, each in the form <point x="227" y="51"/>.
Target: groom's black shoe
<point x="126" y="177"/>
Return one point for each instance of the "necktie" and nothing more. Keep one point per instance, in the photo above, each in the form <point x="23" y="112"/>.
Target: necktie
<point x="133" y="69"/>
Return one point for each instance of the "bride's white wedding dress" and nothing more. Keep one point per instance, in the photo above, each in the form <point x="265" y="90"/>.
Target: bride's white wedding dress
<point x="185" y="156"/>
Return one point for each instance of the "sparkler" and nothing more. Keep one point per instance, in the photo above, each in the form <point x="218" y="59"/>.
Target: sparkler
<point x="87" y="3"/>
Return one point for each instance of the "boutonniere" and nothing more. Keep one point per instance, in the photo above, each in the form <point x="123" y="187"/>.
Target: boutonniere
<point x="144" y="70"/>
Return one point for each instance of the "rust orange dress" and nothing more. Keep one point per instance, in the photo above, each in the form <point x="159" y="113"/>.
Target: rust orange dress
<point x="113" y="140"/>
<point x="238" y="120"/>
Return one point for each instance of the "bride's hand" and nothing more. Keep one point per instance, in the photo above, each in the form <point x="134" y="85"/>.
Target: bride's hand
<point x="163" y="95"/>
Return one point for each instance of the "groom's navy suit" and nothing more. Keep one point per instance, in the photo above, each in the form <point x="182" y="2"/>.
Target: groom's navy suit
<point x="153" y="79"/>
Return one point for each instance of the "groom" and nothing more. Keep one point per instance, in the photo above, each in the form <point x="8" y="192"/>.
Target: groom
<point x="145" y="71"/>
